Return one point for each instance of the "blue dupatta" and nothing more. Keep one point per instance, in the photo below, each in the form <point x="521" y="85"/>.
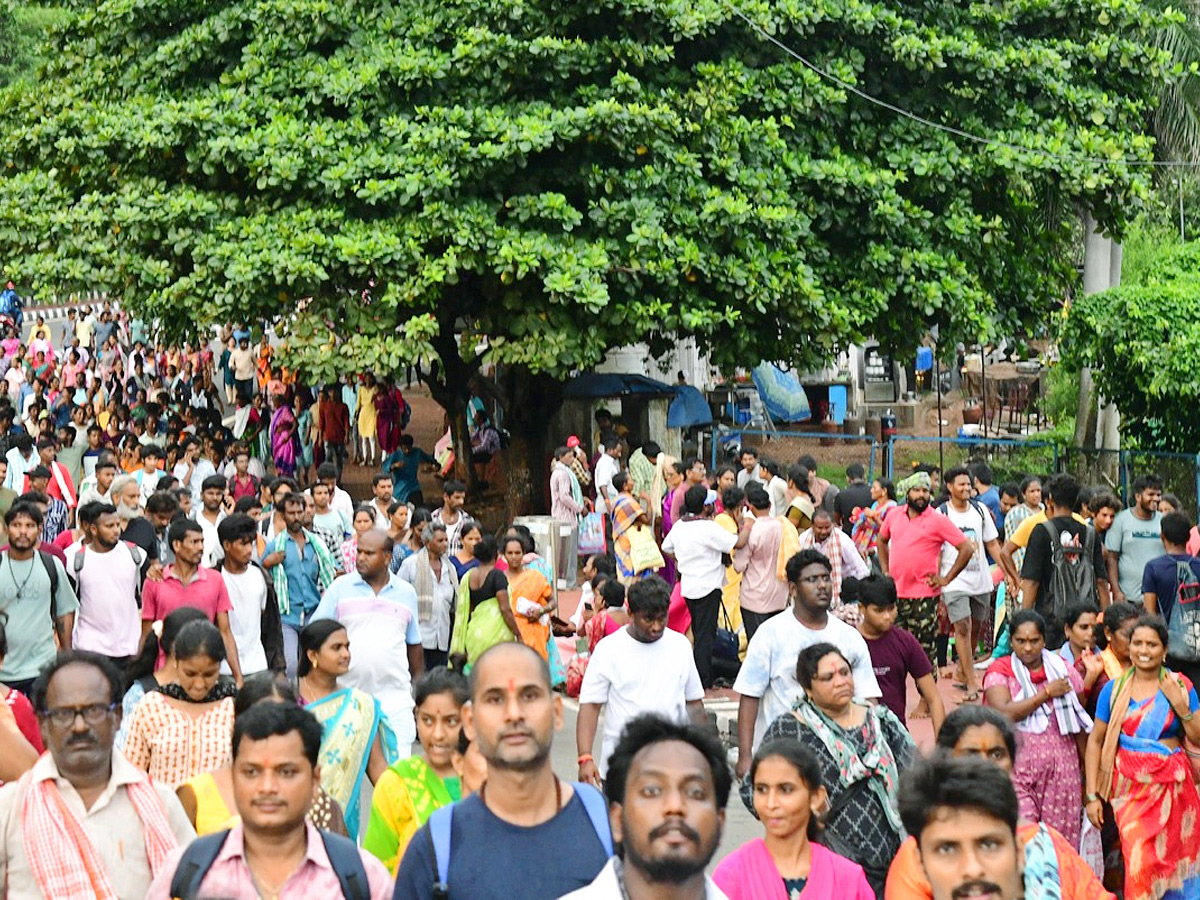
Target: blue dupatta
<point x="350" y="720"/>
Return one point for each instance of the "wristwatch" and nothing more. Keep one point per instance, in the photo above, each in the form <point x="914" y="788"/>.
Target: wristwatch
<point x="1090" y="797"/>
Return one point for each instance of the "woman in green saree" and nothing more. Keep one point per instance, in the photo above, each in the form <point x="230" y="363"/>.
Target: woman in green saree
<point x="484" y="616"/>
<point x="407" y="794"/>
<point x="357" y="741"/>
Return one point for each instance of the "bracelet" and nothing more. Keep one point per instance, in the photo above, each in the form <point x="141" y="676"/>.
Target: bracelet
<point x="1090" y="797"/>
<point x="585" y="757"/>
<point x="1188" y="717"/>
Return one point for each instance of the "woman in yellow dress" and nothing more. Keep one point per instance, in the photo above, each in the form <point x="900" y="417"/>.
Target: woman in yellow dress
<point x="367" y="422"/>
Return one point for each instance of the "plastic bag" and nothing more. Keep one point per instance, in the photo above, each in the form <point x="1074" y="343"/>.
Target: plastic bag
<point x="591" y="534"/>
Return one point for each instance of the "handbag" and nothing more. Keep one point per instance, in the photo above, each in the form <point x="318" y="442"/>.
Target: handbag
<point x="726" y="644"/>
<point x="591" y="534"/>
<point x="643" y="550"/>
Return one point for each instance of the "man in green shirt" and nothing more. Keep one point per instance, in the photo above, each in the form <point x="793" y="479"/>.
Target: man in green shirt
<point x="642" y="466"/>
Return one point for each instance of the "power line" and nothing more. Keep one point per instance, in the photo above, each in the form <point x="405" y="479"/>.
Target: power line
<point x="950" y="129"/>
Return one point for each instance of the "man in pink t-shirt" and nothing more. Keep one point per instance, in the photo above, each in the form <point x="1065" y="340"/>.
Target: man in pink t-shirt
<point x="909" y="548"/>
<point x="186" y="583"/>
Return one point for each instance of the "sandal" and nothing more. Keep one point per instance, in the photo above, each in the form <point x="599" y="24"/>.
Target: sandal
<point x="971" y="697"/>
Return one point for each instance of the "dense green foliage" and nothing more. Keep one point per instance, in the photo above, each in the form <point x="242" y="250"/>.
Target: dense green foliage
<point x="565" y="178"/>
<point x="531" y="183"/>
<point x="24" y="28"/>
<point x="1143" y="339"/>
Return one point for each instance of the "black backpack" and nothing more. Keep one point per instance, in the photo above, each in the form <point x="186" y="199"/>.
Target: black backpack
<point x="203" y="852"/>
<point x="1074" y="576"/>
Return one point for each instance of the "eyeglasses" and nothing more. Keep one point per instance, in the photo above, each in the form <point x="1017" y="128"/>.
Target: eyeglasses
<point x="818" y="579"/>
<point x="64" y="716"/>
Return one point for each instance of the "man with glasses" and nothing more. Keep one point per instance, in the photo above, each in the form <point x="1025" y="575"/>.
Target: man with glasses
<point x="767" y="682"/>
<point x="85" y="822"/>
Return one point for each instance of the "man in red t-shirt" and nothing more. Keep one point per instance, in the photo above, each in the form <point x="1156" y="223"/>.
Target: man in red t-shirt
<point x="334" y="425"/>
<point x="909" y="547"/>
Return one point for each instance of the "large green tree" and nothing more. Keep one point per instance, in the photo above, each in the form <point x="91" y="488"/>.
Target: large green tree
<point x="1142" y="340"/>
<point x="530" y="182"/>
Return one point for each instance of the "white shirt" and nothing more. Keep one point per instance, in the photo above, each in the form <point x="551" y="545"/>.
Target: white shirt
<point x="248" y="594"/>
<point x="213" y="552"/>
<point x="976" y="578"/>
<point x="777" y="491"/>
<point x="109" y="621"/>
<point x="435" y="634"/>
<point x="697" y="545"/>
<point x="608" y="887"/>
<point x="606" y="468"/>
<point x="755" y="474"/>
<point x="769" y="671"/>
<point x="147" y="484"/>
<point x="616" y="679"/>
<point x="342" y="503"/>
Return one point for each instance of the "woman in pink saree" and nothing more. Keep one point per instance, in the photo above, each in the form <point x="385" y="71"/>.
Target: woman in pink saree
<point x="283" y="436"/>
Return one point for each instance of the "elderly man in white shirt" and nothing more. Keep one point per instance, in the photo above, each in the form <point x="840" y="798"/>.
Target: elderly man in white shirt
<point x="433" y="578"/>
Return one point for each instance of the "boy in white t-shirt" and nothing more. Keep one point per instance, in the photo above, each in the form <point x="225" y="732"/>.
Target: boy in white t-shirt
<point x="254" y="620"/>
<point x="968" y="597"/>
<point x="616" y="678"/>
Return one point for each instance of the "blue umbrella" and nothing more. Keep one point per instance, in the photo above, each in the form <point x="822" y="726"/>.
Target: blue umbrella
<point x="782" y="395"/>
<point x="688" y="409"/>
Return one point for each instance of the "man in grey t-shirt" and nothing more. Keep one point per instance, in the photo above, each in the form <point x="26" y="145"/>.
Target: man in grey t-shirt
<point x="1134" y="539"/>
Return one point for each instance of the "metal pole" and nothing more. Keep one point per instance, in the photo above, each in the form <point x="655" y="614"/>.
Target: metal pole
<point x="937" y="376"/>
<point x="983" y="386"/>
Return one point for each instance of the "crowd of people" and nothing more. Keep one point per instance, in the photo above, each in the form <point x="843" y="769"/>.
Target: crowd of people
<point x="272" y="691"/>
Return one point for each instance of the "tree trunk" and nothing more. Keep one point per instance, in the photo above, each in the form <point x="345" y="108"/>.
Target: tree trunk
<point x="530" y="401"/>
<point x="1097" y="274"/>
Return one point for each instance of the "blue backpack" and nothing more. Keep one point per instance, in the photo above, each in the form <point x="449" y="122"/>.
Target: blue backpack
<point x="442" y="819"/>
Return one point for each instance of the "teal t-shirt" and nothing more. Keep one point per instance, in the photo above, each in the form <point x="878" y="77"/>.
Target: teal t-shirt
<point x="1137" y="541"/>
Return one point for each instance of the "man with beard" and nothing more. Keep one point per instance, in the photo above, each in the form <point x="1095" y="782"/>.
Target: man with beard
<point x="963" y="814"/>
<point x="667" y="789"/>
<point x="512" y="717"/>
<point x="909" y="549"/>
<point x="767" y="680"/>
<point x="37" y="598"/>
<point x="135" y="528"/>
<point x="121" y="826"/>
<point x="616" y="677"/>
<point x="107" y="578"/>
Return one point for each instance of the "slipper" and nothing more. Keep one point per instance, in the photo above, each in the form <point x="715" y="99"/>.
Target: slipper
<point x="960" y="686"/>
<point x="971" y="697"/>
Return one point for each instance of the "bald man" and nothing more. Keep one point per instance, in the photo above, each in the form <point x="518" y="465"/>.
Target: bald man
<point x="379" y="610"/>
<point x="512" y="717"/>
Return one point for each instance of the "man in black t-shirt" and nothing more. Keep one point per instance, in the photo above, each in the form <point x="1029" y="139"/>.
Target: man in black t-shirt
<point x="856" y="494"/>
<point x="1037" y="572"/>
<point x="502" y="838"/>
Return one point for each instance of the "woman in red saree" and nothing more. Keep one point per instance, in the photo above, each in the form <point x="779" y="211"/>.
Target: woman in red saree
<point x="389" y="416"/>
<point x="1135" y="757"/>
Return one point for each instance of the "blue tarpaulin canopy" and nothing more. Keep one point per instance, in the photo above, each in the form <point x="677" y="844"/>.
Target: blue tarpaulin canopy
<point x="688" y="409"/>
<point x="593" y="385"/>
<point x="781" y="393"/>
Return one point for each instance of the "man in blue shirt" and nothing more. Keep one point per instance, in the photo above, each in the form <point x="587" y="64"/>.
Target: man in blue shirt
<point x="986" y="493"/>
<point x="301" y="567"/>
<point x="404" y="465"/>
<point x="380" y="613"/>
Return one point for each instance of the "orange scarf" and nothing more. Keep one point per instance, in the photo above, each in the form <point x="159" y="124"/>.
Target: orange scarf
<point x="64" y="861"/>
